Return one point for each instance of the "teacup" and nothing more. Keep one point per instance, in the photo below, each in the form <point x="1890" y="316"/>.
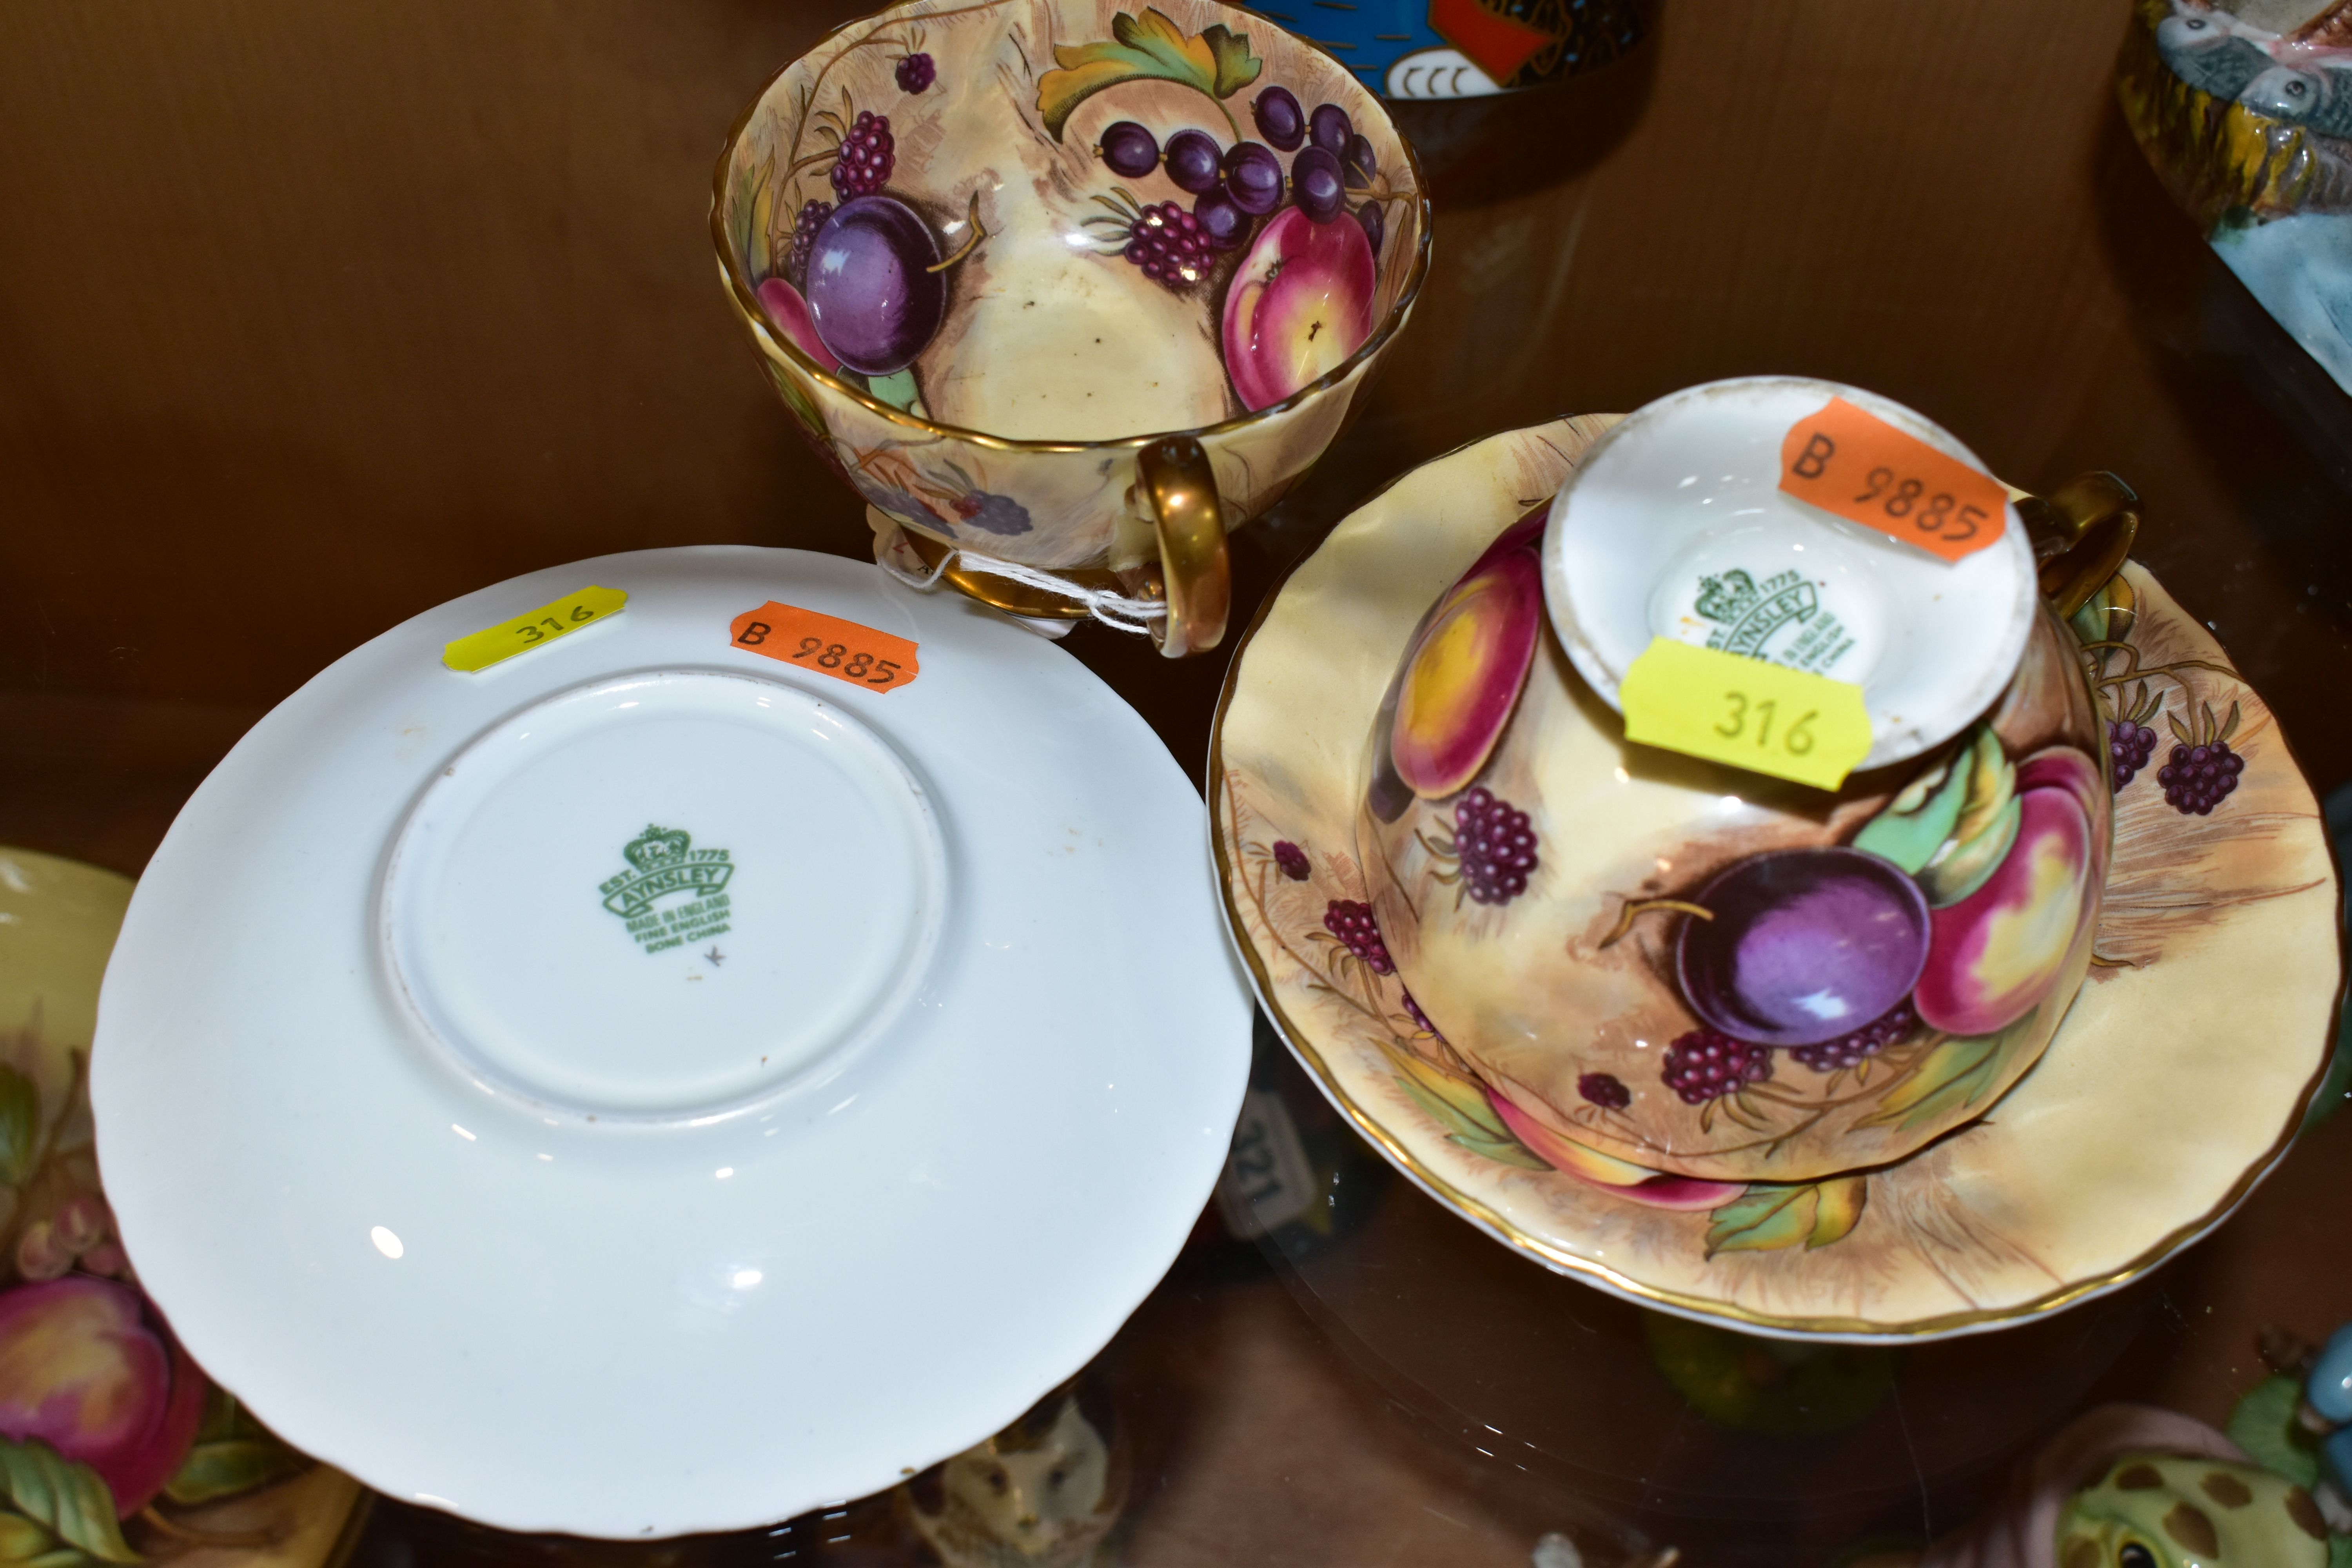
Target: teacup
<point x="1075" y="285"/>
<point x="1659" y="963"/>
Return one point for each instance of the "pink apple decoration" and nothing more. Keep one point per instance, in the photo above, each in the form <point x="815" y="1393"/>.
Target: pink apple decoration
<point x="2000" y="951"/>
<point x="1464" y="675"/>
<point x="1627" y="1181"/>
<point x="1300" y="304"/>
<point x="85" y="1369"/>
<point x="789" y="314"/>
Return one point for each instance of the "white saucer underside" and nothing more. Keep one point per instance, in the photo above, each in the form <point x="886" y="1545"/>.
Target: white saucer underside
<point x="443" y="1138"/>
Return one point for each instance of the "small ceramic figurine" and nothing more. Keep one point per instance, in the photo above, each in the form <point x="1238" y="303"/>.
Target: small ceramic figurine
<point x="2131" y="1487"/>
<point x="1042" y="1493"/>
<point x="2246" y="109"/>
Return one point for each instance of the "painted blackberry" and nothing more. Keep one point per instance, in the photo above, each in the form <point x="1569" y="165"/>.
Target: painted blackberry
<point x="1705" y="1065"/>
<point x="2130" y="746"/>
<point x="1852" y="1051"/>
<point x="867" y="156"/>
<point x="1352" y="923"/>
<point x="1291" y="858"/>
<point x="2130" y="742"/>
<point x="915" y="72"/>
<point x="2196" y="778"/>
<point x="1496" y="844"/>
<point x="1170" y="245"/>
<point x="1604" y="1089"/>
<point x="1420" y="1019"/>
<point x="2202" y="769"/>
<point x="805" y="224"/>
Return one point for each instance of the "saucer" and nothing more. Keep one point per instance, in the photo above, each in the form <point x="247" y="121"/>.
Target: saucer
<point x="2217" y="966"/>
<point x="632" y="1081"/>
<point x="178" y="1465"/>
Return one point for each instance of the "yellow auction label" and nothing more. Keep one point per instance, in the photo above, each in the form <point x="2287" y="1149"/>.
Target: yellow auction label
<point x="533" y="629"/>
<point x="1728" y="708"/>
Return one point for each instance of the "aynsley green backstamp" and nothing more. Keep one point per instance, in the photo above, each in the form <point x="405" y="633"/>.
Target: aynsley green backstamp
<point x="662" y="861"/>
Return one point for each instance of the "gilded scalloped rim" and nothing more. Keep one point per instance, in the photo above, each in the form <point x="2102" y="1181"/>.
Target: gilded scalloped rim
<point x="1303" y="1045"/>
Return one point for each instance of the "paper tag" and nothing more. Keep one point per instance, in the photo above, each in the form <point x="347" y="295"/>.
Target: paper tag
<point x="533" y="629"/>
<point x="827" y="644"/>
<point x="1763" y="716"/>
<point x="1847" y="460"/>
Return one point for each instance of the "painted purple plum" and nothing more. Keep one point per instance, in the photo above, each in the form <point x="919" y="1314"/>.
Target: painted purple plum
<point x="789" y="314"/>
<point x="1300" y="305"/>
<point x="2000" y="951"/>
<point x="85" y="1369"/>
<point x="1464" y="675"/>
<point x="871" y="292"/>
<point x="1804" y="946"/>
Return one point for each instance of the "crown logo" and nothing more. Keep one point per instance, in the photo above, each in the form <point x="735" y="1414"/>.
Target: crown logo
<point x="1727" y="597"/>
<point x="657" y="846"/>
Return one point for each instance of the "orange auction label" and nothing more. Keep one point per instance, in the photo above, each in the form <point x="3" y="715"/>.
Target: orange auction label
<point x="1847" y="460"/>
<point x="827" y="644"/>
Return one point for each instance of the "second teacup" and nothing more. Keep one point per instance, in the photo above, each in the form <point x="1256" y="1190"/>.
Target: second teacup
<point x="1077" y="285"/>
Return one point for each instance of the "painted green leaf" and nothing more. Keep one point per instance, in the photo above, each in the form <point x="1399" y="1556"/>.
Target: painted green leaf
<point x="1952" y="1077"/>
<point x="1767" y="1216"/>
<point x="2263" y="1424"/>
<point x="1914" y="823"/>
<point x="1462" y="1109"/>
<point x="230" y="1466"/>
<point x="1983" y="831"/>
<point x="899" y="391"/>
<point x="1770" y="1216"/>
<point x="20" y="1125"/>
<point x="64" y="1500"/>
<point x="1217" y="62"/>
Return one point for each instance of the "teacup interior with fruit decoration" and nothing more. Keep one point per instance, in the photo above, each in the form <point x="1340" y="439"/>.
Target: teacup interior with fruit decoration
<point x="1072" y="222"/>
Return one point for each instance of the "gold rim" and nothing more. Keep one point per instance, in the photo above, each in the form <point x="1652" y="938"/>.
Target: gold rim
<point x="1552" y="1256"/>
<point x="747" y="307"/>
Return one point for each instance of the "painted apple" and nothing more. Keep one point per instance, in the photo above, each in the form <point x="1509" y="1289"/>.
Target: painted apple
<point x="85" y="1369"/>
<point x="1622" y="1178"/>
<point x="1801" y="947"/>
<point x="1300" y="304"/>
<point x="1999" y="950"/>
<point x="1463" y="674"/>
<point x="789" y="314"/>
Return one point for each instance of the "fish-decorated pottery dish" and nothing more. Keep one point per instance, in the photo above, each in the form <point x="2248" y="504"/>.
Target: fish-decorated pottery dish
<point x="1696" y="968"/>
<point x="2172" y="1084"/>
<point x="1073" y="284"/>
<point x="2244" y="109"/>
<point x="630" y="1078"/>
<point x="114" y="1446"/>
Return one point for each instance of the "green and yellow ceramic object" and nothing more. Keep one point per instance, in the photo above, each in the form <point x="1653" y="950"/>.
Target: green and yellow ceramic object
<point x="2165" y="1510"/>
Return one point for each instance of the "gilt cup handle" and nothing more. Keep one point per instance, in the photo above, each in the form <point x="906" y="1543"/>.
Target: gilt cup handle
<point x="1180" y="490"/>
<point x="2081" y="532"/>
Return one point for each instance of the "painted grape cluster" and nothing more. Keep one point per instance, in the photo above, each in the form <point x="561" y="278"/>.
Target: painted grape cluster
<point x="1301" y="212"/>
<point x="1233" y="188"/>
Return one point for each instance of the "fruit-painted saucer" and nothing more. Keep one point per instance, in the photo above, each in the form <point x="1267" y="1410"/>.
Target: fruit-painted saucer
<point x="113" y="1443"/>
<point x="2174" y="1085"/>
<point x="632" y="1081"/>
